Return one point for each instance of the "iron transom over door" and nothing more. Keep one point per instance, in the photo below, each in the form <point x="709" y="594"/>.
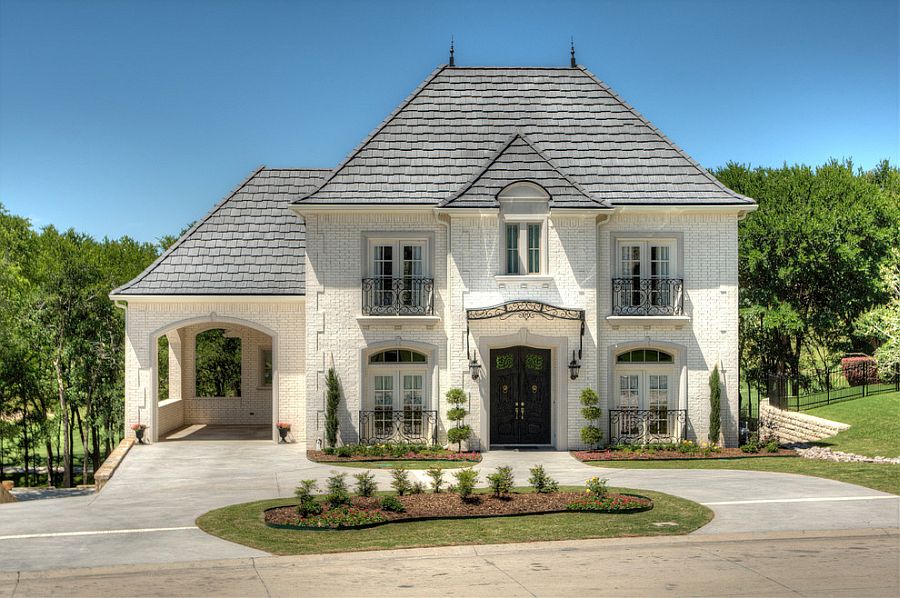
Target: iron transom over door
<point x="520" y="396"/>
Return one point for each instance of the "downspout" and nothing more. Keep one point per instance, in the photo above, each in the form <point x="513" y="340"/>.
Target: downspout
<point x="444" y="220"/>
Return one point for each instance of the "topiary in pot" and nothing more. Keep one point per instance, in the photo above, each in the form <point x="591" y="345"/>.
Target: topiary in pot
<point x="591" y="434"/>
<point x="459" y="433"/>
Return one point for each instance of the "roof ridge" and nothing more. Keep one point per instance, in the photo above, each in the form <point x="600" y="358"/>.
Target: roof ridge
<point x="519" y="134"/>
<point x="186" y="235"/>
<point x="306" y="168"/>
<point x="656" y="130"/>
<point x="377" y="130"/>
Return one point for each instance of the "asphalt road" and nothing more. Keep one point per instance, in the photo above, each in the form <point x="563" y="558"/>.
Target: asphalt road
<point x="837" y="563"/>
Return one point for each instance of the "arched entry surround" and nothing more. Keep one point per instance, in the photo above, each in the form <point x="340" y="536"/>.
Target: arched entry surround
<point x="209" y="322"/>
<point x="679" y="368"/>
<point x="559" y="350"/>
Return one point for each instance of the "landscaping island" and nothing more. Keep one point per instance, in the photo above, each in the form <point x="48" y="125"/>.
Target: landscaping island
<point x="391" y="455"/>
<point x="448" y="514"/>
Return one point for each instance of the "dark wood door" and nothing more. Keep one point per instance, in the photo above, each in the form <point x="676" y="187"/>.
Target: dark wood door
<point x="520" y="396"/>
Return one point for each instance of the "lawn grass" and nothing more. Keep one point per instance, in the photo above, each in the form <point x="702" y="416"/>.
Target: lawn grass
<point x="874" y="421"/>
<point x="243" y="524"/>
<point x="407" y="464"/>
<point x="878" y="476"/>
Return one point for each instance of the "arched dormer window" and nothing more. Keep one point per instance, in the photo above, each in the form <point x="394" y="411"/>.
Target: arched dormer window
<point x="524" y="207"/>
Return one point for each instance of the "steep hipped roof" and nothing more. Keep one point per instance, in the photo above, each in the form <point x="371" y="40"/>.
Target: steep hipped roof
<point x="460" y="117"/>
<point x="519" y="160"/>
<point x="251" y="243"/>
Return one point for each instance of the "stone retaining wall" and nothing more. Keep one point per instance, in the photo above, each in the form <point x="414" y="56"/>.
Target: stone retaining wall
<point x="791" y="426"/>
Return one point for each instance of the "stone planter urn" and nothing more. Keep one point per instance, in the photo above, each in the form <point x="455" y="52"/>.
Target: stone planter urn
<point x="284" y="429"/>
<point x="139" y="432"/>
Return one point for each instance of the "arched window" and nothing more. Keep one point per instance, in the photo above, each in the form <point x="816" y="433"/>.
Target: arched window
<point x="645" y="397"/>
<point x="398" y="356"/>
<point x="397" y="396"/>
<point x="523" y="216"/>
<point x="644" y="356"/>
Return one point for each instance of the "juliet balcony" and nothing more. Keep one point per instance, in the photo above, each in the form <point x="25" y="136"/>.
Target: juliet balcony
<point x="647" y="300"/>
<point x="398" y="296"/>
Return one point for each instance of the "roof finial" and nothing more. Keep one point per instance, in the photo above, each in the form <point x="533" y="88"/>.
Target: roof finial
<point x="452" y="62"/>
<point x="572" y="63"/>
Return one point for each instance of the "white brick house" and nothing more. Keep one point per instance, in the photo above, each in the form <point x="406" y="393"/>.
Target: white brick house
<point x="521" y="233"/>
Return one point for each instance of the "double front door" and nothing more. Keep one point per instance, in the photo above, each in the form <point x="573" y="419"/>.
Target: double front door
<point x="520" y="396"/>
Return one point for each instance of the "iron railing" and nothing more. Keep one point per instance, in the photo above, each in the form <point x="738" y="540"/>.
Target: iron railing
<point x="398" y="296"/>
<point x="402" y="425"/>
<point x="808" y="389"/>
<point x="646" y="426"/>
<point x="647" y="296"/>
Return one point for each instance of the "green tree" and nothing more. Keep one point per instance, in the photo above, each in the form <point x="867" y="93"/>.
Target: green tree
<point x="882" y="323"/>
<point x="715" y="405"/>
<point x="460" y="432"/>
<point x="332" y="401"/>
<point x="809" y="256"/>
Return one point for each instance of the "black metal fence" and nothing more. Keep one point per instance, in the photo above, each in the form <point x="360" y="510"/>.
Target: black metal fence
<point x="809" y="389"/>
<point x="647" y="296"/>
<point x="398" y="296"/>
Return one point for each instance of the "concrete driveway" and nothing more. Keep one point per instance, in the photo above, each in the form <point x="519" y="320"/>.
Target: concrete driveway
<point x="147" y="511"/>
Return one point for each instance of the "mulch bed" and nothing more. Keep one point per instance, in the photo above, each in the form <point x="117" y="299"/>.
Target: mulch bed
<point x="321" y="457"/>
<point x="447" y="505"/>
<point x="725" y="453"/>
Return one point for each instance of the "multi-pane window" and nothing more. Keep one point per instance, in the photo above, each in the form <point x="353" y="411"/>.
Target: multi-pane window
<point x="413" y="402"/>
<point x="512" y="248"/>
<point x="534" y="248"/>
<point x="644" y="394"/>
<point x="384" y="404"/>
<point x="645" y="270"/>
<point x="523" y="247"/>
<point x="399" y="273"/>
<point x="397" y="383"/>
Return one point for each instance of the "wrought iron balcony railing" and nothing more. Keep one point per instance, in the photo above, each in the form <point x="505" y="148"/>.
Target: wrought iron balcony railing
<point x="404" y="425"/>
<point x="398" y="296"/>
<point x="647" y="296"/>
<point x="646" y="426"/>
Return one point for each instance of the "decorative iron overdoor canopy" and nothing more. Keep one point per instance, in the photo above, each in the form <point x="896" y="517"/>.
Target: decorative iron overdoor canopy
<point x="527" y="309"/>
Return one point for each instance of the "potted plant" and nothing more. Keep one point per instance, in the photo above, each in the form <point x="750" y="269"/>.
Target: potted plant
<point x="139" y="432"/>
<point x="283" y="429"/>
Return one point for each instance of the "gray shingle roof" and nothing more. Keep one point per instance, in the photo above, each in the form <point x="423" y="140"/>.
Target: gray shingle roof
<point x="251" y="243"/>
<point x="519" y="160"/>
<point x="459" y="118"/>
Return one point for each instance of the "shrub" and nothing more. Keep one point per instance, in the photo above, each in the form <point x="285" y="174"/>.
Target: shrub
<point x="305" y="494"/>
<point x="597" y="487"/>
<point x="400" y="480"/>
<point x="465" y="482"/>
<point x="332" y="401"/>
<point x="859" y="370"/>
<point x="392" y="504"/>
<point x="457" y="413"/>
<point x="772" y="446"/>
<point x="417" y="488"/>
<point x="337" y="490"/>
<point x="365" y="484"/>
<point x="437" y="478"/>
<point x="328" y="450"/>
<point x="343" y="451"/>
<point x="541" y="482"/>
<point x="501" y="482"/>
<point x="618" y="503"/>
<point x="591" y="434"/>
<point x="344" y="516"/>
<point x="715" y="398"/>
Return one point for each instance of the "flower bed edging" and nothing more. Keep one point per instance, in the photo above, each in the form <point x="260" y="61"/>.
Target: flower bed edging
<point x="469" y="457"/>
<point x="608" y="455"/>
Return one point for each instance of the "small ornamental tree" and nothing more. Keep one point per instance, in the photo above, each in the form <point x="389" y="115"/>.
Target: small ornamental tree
<point x="457" y="413"/>
<point x="332" y="401"/>
<point x="591" y="434"/>
<point x="715" y="408"/>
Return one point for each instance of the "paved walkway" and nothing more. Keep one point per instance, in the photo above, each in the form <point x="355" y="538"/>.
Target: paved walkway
<point x="147" y="511"/>
<point x="860" y="563"/>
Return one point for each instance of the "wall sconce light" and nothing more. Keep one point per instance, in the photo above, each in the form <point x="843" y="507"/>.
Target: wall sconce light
<point x="574" y="367"/>
<point x="474" y="368"/>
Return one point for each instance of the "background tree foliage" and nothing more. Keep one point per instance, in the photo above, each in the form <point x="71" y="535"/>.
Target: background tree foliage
<point x="810" y="259"/>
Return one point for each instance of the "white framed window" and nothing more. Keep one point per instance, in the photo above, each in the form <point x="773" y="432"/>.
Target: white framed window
<point x="645" y="396"/>
<point x="524" y="248"/>
<point x="399" y="273"/>
<point x="647" y="276"/>
<point x="397" y="385"/>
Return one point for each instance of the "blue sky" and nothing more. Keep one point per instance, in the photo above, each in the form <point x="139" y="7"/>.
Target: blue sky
<point x="134" y="118"/>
